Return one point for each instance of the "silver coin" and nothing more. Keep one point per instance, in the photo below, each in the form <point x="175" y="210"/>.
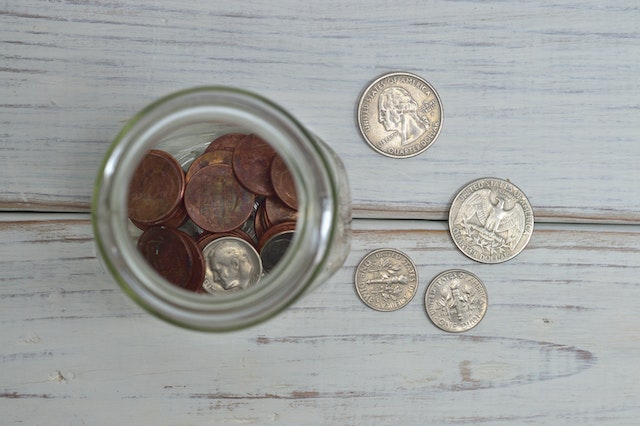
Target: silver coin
<point x="232" y="265"/>
<point x="491" y="220"/>
<point x="456" y="300"/>
<point x="274" y="249"/>
<point x="400" y="115"/>
<point x="386" y="279"/>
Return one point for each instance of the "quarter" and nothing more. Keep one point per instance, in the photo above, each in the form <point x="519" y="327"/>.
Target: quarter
<point x="456" y="300"/>
<point x="386" y="280"/>
<point x="400" y="115"/>
<point x="491" y="220"/>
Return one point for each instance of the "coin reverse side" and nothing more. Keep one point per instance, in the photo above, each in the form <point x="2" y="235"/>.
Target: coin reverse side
<point x="386" y="280"/>
<point x="400" y="115"/>
<point x="456" y="300"/>
<point x="491" y="220"/>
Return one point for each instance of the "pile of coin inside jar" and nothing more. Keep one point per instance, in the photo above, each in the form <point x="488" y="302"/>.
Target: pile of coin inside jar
<point x="221" y="223"/>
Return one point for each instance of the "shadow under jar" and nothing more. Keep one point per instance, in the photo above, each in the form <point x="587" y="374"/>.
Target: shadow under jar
<point x="183" y="125"/>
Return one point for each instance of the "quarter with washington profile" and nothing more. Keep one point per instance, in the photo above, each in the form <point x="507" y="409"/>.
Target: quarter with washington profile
<point x="400" y="115"/>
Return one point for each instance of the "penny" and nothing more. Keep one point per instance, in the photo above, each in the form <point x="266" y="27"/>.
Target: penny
<point x="278" y="212"/>
<point x="400" y="115"/>
<point x="215" y="201"/>
<point x="456" y="300"/>
<point x="198" y="267"/>
<point x="252" y="165"/>
<point x="156" y="189"/>
<point x="260" y="224"/>
<point x="166" y="252"/>
<point x="491" y="220"/>
<point x="208" y="158"/>
<point x="386" y="280"/>
<point x="274" y="249"/>
<point x="283" y="183"/>
<point x="232" y="265"/>
<point x="227" y="142"/>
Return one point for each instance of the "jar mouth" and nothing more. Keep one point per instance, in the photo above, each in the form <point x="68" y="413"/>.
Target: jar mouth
<point x="225" y="110"/>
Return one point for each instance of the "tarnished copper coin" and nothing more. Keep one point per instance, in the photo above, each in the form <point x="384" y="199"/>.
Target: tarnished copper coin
<point x="208" y="158"/>
<point x="156" y="189"/>
<point x="252" y="165"/>
<point x="226" y="142"/>
<point x="278" y="212"/>
<point x="198" y="266"/>
<point x="283" y="183"/>
<point x="167" y="253"/>
<point x="260" y="224"/>
<point x="215" y="201"/>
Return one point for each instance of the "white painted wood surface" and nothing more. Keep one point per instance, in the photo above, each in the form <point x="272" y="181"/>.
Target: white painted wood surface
<point x="543" y="93"/>
<point x="558" y="344"/>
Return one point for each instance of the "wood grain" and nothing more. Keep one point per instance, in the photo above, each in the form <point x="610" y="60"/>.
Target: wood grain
<point x="557" y="345"/>
<point x="542" y="93"/>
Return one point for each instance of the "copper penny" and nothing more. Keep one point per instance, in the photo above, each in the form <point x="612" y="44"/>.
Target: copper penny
<point x="167" y="253"/>
<point x="215" y="201"/>
<point x="208" y="158"/>
<point x="156" y="189"/>
<point x="252" y="165"/>
<point x="283" y="183"/>
<point x="226" y="142"/>
<point x="278" y="212"/>
<point x="198" y="266"/>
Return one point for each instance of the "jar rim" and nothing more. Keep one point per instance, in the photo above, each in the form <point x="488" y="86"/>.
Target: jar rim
<point x="317" y="212"/>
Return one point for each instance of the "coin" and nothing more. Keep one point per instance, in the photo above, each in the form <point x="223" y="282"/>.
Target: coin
<point x="232" y="264"/>
<point x="208" y="158"/>
<point x="215" y="201"/>
<point x="165" y="250"/>
<point x="283" y="183"/>
<point x="252" y="165"/>
<point x="386" y="279"/>
<point x="456" y="300"/>
<point x="274" y="248"/>
<point x="400" y="115"/>
<point x="155" y="190"/>
<point x="277" y="211"/>
<point x="491" y="220"/>
<point x="227" y="142"/>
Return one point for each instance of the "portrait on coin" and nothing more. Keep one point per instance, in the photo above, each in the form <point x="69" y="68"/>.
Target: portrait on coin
<point x="398" y="112"/>
<point x="232" y="268"/>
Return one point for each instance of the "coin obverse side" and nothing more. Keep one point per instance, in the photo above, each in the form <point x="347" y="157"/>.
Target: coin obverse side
<point x="386" y="280"/>
<point x="232" y="265"/>
<point x="400" y="115"/>
<point x="456" y="300"/>
<point x="491" y="220"/>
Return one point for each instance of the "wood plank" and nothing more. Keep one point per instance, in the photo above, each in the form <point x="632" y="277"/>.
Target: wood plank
<point x="557" y="345"/>
<point x="544" y="94"/>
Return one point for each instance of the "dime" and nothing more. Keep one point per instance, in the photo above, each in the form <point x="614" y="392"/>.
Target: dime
<point x="386" y="279"/>
<point x="400" y="115"/>
<point x="232" y="264"/>
<point x="456" y="300"/>
<point x="490" y="220"/>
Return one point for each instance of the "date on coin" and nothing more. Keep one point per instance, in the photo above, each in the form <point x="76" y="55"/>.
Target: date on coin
<point x="456" y="300"/>
<point x="386" y="280"/>
<point x="400" y="115"/>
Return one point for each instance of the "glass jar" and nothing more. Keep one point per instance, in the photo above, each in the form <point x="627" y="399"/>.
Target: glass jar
<point x="182" y="124"/>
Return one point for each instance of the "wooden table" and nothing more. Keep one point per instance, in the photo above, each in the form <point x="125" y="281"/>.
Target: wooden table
<point x="545" y="94"/>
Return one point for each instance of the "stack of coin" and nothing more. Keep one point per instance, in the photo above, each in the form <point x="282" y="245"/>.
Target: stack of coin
<point x="235" y="206"/>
